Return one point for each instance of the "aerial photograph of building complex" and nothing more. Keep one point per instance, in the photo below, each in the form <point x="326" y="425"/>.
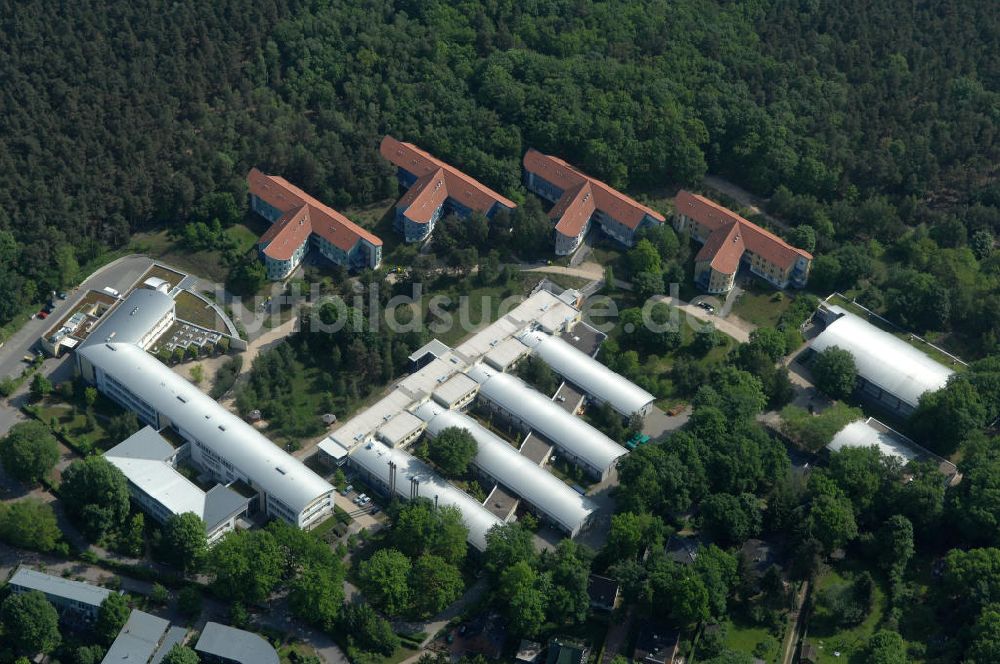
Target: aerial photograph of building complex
<point x="592" y="332"/>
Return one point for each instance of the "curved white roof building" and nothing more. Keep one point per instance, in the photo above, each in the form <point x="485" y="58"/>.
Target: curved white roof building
<point x="896" y="373"/>
<point x="220" y="441"/>
<point x="374" y="458"/>
<point x="588" y="374"/>
<point x="531" y="409"/>
<point x="495" y="457"/>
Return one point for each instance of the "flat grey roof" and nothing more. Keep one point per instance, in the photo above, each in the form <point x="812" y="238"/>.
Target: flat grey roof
<point x="434" y="347"/>
<point x="138" y="640"/>
<point x="175" y="635"/>
<point x="235" y="644"/>
<point x="25" y="577"/>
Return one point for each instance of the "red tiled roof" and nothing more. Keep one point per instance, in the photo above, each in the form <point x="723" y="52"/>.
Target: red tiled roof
<point x="287" y="233"/>
<point x="610" y="201"/>
<point x="721" y="222"/>
<point x="573" y="209"/>
<point x="302" y="216"/>
<point x="445" y="181"/>
<point x="724" y="249"/>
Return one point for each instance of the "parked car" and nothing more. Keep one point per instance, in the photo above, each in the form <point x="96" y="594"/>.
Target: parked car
<point x="347" y="489"/>
<point x="375" y="510"/>
<point x="43" y="314"/>
<point x="63" y="295"/>
<point x="367" y="500"/>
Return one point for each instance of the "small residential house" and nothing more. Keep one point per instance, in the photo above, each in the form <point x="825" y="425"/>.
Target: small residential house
<point x="222" y="644"/>
<point x="656" y="644"/>
<point x="580" y="201"/>
<point x="729" y="241"/>
<point x="435" y="189"/>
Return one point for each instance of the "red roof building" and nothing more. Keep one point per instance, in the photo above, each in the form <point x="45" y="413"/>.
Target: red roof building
<point x="729" y="241"/>
<point x="580" y="199"/>
<point x="296" y="217"/>
<point x="435" y="188"/>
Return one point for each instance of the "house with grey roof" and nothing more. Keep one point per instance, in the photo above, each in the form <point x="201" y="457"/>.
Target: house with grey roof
<point x="149" y="463"/>
<point x="76" y="602"/>
<point x="140" y="641"/>
<point x="222" y="644"/>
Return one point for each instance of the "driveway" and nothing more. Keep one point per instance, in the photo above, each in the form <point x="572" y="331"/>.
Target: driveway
<point x="119" y="274"/>
<point x="735" y="327"/>
<point x="660" y="425"/>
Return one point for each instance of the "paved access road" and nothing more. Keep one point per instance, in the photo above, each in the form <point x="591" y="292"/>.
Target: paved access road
<point x="118" y="274"/>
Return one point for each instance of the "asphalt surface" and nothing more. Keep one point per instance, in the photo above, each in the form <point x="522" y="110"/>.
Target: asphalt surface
<point x="118" y="274"/>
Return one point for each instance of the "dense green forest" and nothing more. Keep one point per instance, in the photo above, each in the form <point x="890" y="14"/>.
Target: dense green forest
<point x="867" y="118"/>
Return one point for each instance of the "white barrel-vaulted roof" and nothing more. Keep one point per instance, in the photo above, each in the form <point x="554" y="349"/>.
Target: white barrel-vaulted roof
<point x="498" y="459"/>
<point x="588" y="374"/>
<point x="547" y="418"/>
<point x="374" y="457"/>
<point x="271" y="469"/>
<point x="883" y="359"/>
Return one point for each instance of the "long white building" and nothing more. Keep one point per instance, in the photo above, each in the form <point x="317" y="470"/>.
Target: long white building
<point x="527" y="408"/>
<point x="402" y="474"/>
<point x="495" y="458"/>
<point x="599" y="382"/>
<point x="222" y="444"/>
<point x="890" y="371"/>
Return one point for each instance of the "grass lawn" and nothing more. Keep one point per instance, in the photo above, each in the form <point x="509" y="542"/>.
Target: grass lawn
<point x="74" y="427"/>
<point x="849" y="642"/>
<point x="743" y="636"/>
<point x="207" y="264"/>
<point x="172" y="277"/>
<point x="304" y="407"/>
<point x="567" y="281"/>
<point x="761" y="307"/>
<point x="473" y="309"/>
<point x="193" y="309"/>
<point x="295" y="653"/>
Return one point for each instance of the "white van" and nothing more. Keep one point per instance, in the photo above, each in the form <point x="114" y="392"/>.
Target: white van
<point x="111" y="291"/>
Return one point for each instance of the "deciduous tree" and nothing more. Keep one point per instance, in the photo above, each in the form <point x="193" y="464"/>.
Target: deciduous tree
<point x="29" y="451"/>
<point x="30" y="623"/>
<point x="95" y="495"/>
